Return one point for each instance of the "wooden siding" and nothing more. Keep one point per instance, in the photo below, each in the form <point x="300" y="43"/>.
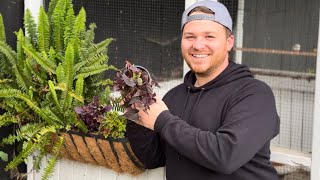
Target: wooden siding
<point x="73" y="170"/>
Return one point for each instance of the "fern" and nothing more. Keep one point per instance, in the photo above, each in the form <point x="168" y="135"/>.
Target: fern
<point x="30" y="27"/>
<point x="6" y="93"/>
<point x="68" y="66"/>
<point x="63" y="87"/>
<point x="6" y="119"/>
<point x="53" y="160"/>
<point x="58" y="22"/>
<point x="44" y="31"/>
<point x="2" y="30"/>
<point x="54" y="95"/>
<point x="89" y="36"/>
<point x="41" y="77"/>
<point x="42" y="60"/>
<point x="92" y="70"/>
<point x="79" y="90"/>
<point x="17" y="70"/>
<point x="68" y="32"/>
<point x="56" y="67"/>
<point x="22" y="156"/>
<point x="52" y="6"/>
<point x="61" y="77"/>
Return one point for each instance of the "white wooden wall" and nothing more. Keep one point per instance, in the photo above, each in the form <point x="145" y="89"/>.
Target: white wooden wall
<point x="72" y="170"/>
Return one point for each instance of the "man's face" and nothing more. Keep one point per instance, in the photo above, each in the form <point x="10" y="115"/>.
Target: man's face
<point x="205" y="46"/>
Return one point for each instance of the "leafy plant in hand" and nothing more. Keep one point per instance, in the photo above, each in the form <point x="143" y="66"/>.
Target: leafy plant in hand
<point x="136" y="87"/>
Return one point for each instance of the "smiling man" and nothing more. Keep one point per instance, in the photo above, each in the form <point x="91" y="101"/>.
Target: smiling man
<point x="219" y="123"/>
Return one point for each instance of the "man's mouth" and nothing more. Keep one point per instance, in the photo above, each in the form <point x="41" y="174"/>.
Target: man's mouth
<point x="200" y="55"/>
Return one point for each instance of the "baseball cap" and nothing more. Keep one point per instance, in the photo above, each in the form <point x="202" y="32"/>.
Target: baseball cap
<point x="221" y="14"/>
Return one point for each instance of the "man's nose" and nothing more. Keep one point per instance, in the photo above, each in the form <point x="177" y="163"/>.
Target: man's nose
<point x="199" y="44"/>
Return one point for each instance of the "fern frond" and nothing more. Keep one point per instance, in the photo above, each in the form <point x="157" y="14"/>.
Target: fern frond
<point x="53" y="160"/>
<point x="38" y="75"/>
<point x="92" y="70"/>
<point x="52" y="56"/>
<point x="44" y="31"/>
<point x="22" y="81"/>
<point x="68" y="32"/>
<point x="22" y="156"/>
<point x="52" y="6"/>
<point x="20" y="52"/>
<point x="79" y="90"/>
<point x="31" y="28"/>
<point x="69" y="66"/>
<point x="8" y="52"/>
<point x="26" y="132"/>
<point x="6" y="93"/>
<point x="2" y="30"/>
<point x="7" y="119"/>
<point x="42" y="60"/>
<point x="80" y="23"/>
<point x="99" y="48"/>
<point x="63" y="87"/>
<point x="57" y="22"/>
<point x="89" y="39"/>
<point x="61" y="78"/>
<point x="95" y="60"/>
<point x="54" y="96"/>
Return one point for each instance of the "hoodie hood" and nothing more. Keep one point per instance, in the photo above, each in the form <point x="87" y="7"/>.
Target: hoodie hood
<point x="231" y="73"/>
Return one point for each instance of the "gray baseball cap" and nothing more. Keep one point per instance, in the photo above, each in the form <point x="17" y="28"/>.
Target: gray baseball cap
<point x="221" y="14"/>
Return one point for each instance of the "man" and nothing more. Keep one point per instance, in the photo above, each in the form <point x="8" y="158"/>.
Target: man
<point x="219" y="123"/>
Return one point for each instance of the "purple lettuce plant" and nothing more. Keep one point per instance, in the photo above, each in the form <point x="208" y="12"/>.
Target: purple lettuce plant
<point x="92" y="114"/>
<point x="136" y="88"/>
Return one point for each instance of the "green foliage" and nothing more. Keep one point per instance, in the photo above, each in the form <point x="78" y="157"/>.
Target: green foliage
<point x="2" y="30"/>
<point x="3" y="156"/>
<point x="56" y="67"/>
<point x="114" y="125"/>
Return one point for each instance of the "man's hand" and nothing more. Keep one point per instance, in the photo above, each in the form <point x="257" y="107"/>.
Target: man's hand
<point x="148" y="119"/>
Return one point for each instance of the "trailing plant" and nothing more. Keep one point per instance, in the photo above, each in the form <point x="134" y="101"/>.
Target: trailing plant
<point x="102" y="119"/>
<point x="136" y="87"/>
<point x="56" y="67"/>
<point x="92" y="114"/>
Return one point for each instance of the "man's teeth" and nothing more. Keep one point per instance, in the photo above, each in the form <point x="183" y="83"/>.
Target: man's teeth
<point x="200" y="55"/>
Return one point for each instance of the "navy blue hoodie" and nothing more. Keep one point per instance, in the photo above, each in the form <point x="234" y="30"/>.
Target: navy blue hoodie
<point x="221" y="130"/>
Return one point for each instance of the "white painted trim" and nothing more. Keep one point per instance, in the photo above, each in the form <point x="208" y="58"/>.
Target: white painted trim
<point x="315" y="168"/>
<point x="290" y="157"/>
<point x="239" y="31"/>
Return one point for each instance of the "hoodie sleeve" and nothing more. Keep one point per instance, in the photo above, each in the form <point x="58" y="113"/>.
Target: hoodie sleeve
<point x="251" y="121"/>
<point x="146" y="145"/>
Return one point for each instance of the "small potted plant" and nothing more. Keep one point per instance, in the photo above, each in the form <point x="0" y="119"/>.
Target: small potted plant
<point x="135" y="84"/>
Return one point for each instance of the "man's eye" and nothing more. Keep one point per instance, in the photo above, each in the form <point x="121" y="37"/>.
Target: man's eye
<point x="210" y="37"/>
<point x="189" y="37"/>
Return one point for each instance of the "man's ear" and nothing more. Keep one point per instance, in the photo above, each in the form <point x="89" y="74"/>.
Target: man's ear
<point x="230" y="42"/>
